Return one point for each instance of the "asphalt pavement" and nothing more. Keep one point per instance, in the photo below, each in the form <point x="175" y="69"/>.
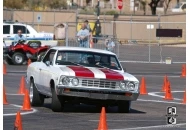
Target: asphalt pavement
<point x="148" y="112"/>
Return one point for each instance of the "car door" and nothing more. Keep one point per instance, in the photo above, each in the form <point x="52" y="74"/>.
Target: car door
<point x="24" y="29"/>
<point x="6" y="32"/>
<point x="46" y="70"/>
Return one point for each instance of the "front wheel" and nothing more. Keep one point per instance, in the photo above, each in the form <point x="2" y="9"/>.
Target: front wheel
<point x="124" y="106"/>
<point x="18" y="58"/>
<point x="57" y="102"/>
<point x="36" y="98"/>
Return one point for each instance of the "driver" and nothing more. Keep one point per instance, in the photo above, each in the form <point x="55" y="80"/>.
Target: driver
<point x="19" y="36"/>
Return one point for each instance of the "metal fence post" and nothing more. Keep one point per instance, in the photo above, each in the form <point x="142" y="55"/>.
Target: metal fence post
<point x="131" y="27"/>
<point x="54" y="21"/>
<point x="33" y="19"/>
<point x="117" y="47"/>
<point x="149" y="43"/>
<point x="67" y="30"/>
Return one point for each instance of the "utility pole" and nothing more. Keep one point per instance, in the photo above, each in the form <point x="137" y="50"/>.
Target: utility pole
<point x="97" y="26"/>
<point x="98" y="9"/>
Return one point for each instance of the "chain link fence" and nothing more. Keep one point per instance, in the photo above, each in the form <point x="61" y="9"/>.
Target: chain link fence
<point x="135" y="40"/>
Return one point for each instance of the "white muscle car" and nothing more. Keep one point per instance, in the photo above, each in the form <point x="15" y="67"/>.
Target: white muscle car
<point x="83" y="75"/>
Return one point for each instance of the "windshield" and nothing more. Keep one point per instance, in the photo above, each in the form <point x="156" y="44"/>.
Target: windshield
<point x="88" y="59"/>
<point x="178" y="5"/>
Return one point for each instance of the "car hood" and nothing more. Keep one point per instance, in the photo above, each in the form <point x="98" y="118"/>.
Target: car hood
<point x="100" y="73"/>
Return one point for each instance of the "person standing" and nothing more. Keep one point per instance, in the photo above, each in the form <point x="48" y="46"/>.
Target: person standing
<point x="83" y="36"/>
<point x="87" y="26"/>
<point x="110" y="45"/>
<point x="90" y="31"/>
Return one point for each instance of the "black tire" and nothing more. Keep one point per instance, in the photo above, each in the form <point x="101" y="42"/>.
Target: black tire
<point x="18" y="58"/>
<point x="39" y="58"/>
<point x="8" y="61"/>
<point x="37" y="99"/>
<point x="57" y="102"/>
<point x="124" y="106"/>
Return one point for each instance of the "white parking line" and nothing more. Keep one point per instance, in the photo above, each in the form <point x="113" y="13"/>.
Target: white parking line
<point x="123" y="120"/>
<point x="156" y="95"/>
<point x="21" y="112"/>
<point x="14" y="94"/>
<point x="158" y="101"/>
<point x="151" y="127"/>
<point x="155" y="76"/>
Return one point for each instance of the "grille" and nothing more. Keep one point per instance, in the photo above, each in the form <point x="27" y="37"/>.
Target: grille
<point x="99" y="83"/>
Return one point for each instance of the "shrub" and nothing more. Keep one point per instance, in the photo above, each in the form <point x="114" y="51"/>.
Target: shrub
<point x="112" y="12"/>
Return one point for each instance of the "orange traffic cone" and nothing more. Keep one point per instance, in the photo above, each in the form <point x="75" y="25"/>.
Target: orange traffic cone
<point x="102" y="123"/>
<point x="29" y="62"/>
<point x="4" y="68"/>
<point x="184" y="98"/>
<point x="18" y="122"/>
<point x="26" y="103"/>
<point x="4" y="97"/>
<point x="22" y="86"/>
<point x="183" y="71"/>
<point x="164" y="86"/>
<point x="143" y="87"/>
<point x="168" y="94"/>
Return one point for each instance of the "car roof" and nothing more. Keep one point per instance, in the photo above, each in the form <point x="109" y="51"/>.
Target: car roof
<point x="7" y="23"/>
<point x="83" y="49"/>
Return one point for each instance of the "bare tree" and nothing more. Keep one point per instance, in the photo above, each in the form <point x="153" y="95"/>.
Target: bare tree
<point x="166" y="5"/>
<point x="153" y="4"/>
<point x="14" y="4"/>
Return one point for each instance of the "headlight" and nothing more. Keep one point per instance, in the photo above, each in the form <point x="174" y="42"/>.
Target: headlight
<point x="122" y="85"/>
<point x="75" y="81"/>
<point x="68" y="81"/>
<point x="65" y="81"/>
<point x="131" y="86"/>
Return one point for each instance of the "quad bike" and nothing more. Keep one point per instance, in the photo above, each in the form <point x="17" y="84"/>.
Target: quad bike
<point x="21" y="51"/>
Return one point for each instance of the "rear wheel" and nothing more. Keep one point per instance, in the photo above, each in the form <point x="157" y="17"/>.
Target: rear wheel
<point x="18" y="58"/>
<point x="124" y="106"/>
<point x="36" y="99"/>
<point x="57" y="102"/>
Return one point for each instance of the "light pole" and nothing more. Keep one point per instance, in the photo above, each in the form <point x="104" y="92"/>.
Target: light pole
<point x="98" y="9"/>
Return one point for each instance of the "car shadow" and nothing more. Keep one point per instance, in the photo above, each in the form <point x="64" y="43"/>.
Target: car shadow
<point x="83" y="108"/>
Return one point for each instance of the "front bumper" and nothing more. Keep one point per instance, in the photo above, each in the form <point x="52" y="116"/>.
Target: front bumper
<point x="98" y="94"/>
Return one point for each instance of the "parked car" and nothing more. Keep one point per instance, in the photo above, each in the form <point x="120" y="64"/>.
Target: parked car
<point x="20" y="52"/>
<point x="90" y="76"/>
<point x="180" y="8"/>
<point x="11" y="28"/>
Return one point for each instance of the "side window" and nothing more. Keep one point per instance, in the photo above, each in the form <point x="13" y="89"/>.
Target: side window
<point x="18" y="27"/>
<point x="6" y="29"/>
<point x="49" y="56"/>
<point x="184" y="6"/>
<point x="114" y="63"/>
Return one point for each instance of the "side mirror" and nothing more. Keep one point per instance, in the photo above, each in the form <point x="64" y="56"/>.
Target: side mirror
<point x="124" y="69"/>
<point x="47" y="63"/>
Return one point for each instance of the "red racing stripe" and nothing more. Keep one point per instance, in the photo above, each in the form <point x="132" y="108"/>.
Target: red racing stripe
<point x="82" y="72"/>
<point x="112" y="74"/>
